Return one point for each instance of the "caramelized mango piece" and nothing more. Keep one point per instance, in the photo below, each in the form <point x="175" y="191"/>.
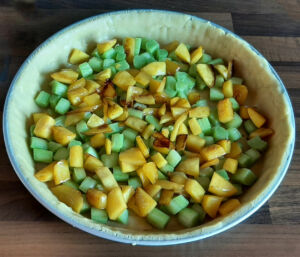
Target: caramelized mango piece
<point x="61" y="172"/>
<point x="211" y="204"/>
<point x="220" y="186"/>
<point x="43" y="126"/>
<point x="240" y="93"/>
<point x="183" y="53"/>
<point x="105" y="46"/>
<point x="62" y="135"/>
<point x="212" y="152"/>
<point x="106" y="177"/>
<point x="144" y="202"/>
<point x="194" y="189"/>
<point x="115" y="203"/>
<point x="67" y="76"/>
<point x="45" y="174"/>
<point x="225" y="111"/>
<point x="196" y="55"/>
<point x="229" y="206"/>
<point x="256" y="117"/>
<point x="190" y="166"/>
<point x="77" y="56"/>
<point x="96" y="198"/>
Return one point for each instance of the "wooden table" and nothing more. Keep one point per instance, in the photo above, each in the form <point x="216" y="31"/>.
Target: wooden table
<point x="28" y="229"/>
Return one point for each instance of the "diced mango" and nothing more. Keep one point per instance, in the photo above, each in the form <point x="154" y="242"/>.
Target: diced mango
<point x="76" y="95"/>
<point x="107" y="146"/>
<point x="177" y="111"/>
<point x="159" y="160"/>
<point x="194" y="189"/>
<point x="91" y="100"/>
<point x="165" y="132"/>
<point x="166" y="197"/>
<point x="193" y="97"/>
<point x="76" y="156"/>
<point x="107" y="178"/>
<point x="189" y="166"/>
<point x="230" y="165"/>
<point x="114" y="111"/>
<point x="144" y="202"/>
<point x="123" y="80"/>
<point x="61" y="172"/>
<point x="132" y="206"/>
<point x="262" y="132"/>
<point x="228" y="89"/>
<point x="244" y="112"/>
<point x="91" y="163"/>
<point x="132" y="156"/>
<point x="210" y="163"/>
<point x="206" y="73"/>
<point x="143" y="78"/>
<point x="45" y="174"/>
<point x="144" y="179"/>
<point x="70" y="196"/>
<point x="95" y="121"/>
<point x="167" y="117"/>
<point x="240" y="93"/>
<point x="178" y="177"/>
<point x="145" y="99"/>
<point x="73" y="118"/>
<point x="235" y="150"/>
<point x="43" y="127"/>
<point x="96" y="198"/>
<point x="177" y="123"/>
<point x="153" y="190"/>
<point x="171" y="46"/>
<point x="148" y="131"/>
<point x="136" y="123"/>
<point x="221" y="187"/>
<point x="222" y="70"/>
<point x="67" y="76"/>
<point x="169" y="185"/>
<point x="98" y="130"/>
<point x="157" y="86"/>
<point x="226" y="144"/>
<point x="129" y="46"/>
<point x="77" y="56"/>
<point x="155" y="68"/>
<point x="115" y="203"/>
<point x="194" y="143"/>
<point x="194" y="126"/>
<point x="199" y="112"/>
<point x="103" y="76"/>
<point x="256" y="117"/>
<point x="77" y="84"/>
<point x="62" y="135"/>
<point x="211" y="204"/>
<point x="172" y="67"/>
<point x="183" y="53"/>
<point x="128" y="192"/>
<point x="123" y="116"/>
<point x="212" y="152"/>
<point x="128" y="167"/>
<point x="183" y="103"/>
<point x="105" y="46"/>
<point x="225" y="111"/>
<point x="150" y="171"/>
<point x="91" y="86"/>
<point x="132" y="92"/>
<point x="196" y="55"/>
<point x="36" y="116"/>
<point x="142" y="146"/>
<point x="181" y="142"/>
<point x="229" y="206"/>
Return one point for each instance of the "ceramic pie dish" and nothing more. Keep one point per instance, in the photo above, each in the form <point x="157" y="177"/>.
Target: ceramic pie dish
<point x="266" y="91"/>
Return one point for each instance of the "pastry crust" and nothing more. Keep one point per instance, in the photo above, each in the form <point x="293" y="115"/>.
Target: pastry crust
<point x="265" y="92"/>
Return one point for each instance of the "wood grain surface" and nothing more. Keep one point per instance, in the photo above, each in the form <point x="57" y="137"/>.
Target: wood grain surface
<point x="28" y="229"/>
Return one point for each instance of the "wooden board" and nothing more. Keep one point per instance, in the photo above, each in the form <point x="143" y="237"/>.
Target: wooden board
<point x="28" y="229"/>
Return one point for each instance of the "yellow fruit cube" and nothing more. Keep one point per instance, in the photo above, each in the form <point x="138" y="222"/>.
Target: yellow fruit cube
<point x="169" y="185"/>
<point x="128" y="167"/>
<point x="222" y="70"/>
<point x="157" y="86"/>
<point x="159" y="160"/>
<point x="210" y="163"/>
<point x="150" y="171"/>
<point x="152" y="190"/>
<point x="194" y="189"/>
<point x="226" y="144"/>
<point x="114" y="111"/>
<point x="91" y="86"/>
<point x="105" y="46"/>
<point x="165" y="132"/>
<point x="196" y="55"/>
<point x="128" y="192"/>
<point x="141" y="145"/>
<point x="76" y="95"/>
<point x="129" y="46"/>
<point x="193" y="97"/>
<point x="240" y="93"/>
<point x="107" y="178"/>
<point x="69" y="196"/>
<point x="94" y="121"/>
<point x="144" y="179"/>
<point x="132" y="92"/>
<point x="220" y="186"/>
<point x="155" y="68"/>
<point x="235" y="150"/>
<point x="167" y="117"/>
<point x="116" y="204"/>
<point x="212" y="152"/>
<point x="177" y="111"/>
<point x="123" y="116"/>
<point x="91" y="163"/>
<point x="136" y="123"/>
<point x="62" y="135"/>
<point x="77" y="56"/>
<point x="91" y="100"/>
<point x="145" y="99"/>
<point x="45" y="174"/>
<point x="123" y="80"/>
<point x="194" y="126"/>
<point x="76" y="156"/>
<point x="194" y="143"/>
<point x="77" y="84"/>
<point x="225" y="111"/>
<point x="103" y="76"/>
<point x="256" y="117"/>
<point x="172" y="67"/>
<point x="229" y="206"/>
<point x="211" y="204"/>
<point x="43" y="127"/>
<point x="148" y="131"/>
<point x="73" y="118"/>
<point x="166" y="197"/>
<point x="132" y="206"/>
<point x="67" y="76"/>
<point x="181" y="142"/>
<point x="227" y="89"/>
<point x="199" y="112"/>
<point x="107" y="145"/>
<point x="36" y="116"/>
<point x="230" y="165"/>
<point x="96" y="198"/>
<point x="61" y="172"/>
<point x="189" y="166"/>
<point x="162" y="110"/>
<point x="177" y="124"/>
<point x="183" y="130"/>
<point x="143" y="78"/>
<point x="244" y="112"/>
<point x="178" y="177"/>
<point x="132" y="156"/>
<point x="183" y="53"/>
<point x="171" y="46"/>
<point x="206" y="73"/>
<point x="144" y="202"/>
<point x="183" y="103"/>
<point x="262" y="132"/>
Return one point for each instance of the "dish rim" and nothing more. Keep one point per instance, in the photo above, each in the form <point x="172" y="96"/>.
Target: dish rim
<point x="103" y="234"/>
